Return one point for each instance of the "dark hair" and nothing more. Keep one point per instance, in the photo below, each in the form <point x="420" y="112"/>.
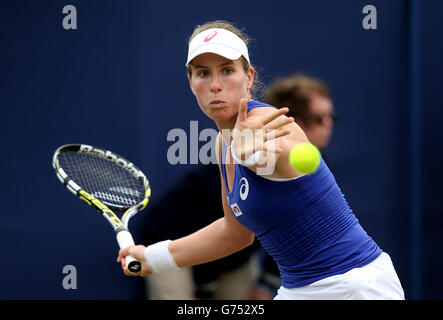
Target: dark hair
<point x="294" y="92"/>
<point x="257" y="87"/>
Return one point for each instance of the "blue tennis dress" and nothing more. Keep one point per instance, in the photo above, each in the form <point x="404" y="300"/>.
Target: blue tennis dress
<point x="305" y="224"/>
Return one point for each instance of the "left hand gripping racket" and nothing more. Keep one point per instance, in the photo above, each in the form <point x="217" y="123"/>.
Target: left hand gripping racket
<point x="107" y="182"/>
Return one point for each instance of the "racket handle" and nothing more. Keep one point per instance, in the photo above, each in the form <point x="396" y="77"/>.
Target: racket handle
<point x="124" y="239"/>
<point x="133" y="265"/>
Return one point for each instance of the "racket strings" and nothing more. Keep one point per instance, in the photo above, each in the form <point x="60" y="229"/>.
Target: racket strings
<point x="103" y="179"/>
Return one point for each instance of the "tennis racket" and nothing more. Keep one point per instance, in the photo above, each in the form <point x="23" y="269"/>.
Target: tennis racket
<point x="108" y="182"/>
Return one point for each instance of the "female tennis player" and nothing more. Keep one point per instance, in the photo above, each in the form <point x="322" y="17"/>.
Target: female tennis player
<point x="302" y="221"/>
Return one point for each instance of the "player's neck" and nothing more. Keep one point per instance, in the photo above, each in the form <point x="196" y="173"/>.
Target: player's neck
<point x="226" y="125"/>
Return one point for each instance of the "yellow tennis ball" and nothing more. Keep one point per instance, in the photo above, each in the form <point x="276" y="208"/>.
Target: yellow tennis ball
<point x="304" y="157"/>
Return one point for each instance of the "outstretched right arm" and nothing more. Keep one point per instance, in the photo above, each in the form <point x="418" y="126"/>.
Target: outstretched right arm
<point x="219" y="239"/>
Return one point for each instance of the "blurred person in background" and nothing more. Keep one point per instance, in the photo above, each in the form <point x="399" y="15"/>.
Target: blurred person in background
<point x="309" y="102"/>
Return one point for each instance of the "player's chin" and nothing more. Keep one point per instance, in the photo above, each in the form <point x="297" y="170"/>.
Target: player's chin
<point x="219" y="114"/>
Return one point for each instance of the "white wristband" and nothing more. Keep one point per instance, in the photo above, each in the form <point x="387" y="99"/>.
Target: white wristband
<point x="158" y="258"/>
<point x="248" y="162"/>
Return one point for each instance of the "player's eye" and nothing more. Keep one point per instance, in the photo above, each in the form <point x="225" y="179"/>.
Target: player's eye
<point x="228" y="71"/>
<point x="203" y="73"/>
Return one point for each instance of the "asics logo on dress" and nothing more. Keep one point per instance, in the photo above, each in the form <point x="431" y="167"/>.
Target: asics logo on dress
<point x="244" y="188"/>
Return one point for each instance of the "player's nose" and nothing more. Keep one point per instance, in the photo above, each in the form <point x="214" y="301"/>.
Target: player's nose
<point x="215" y="85"/>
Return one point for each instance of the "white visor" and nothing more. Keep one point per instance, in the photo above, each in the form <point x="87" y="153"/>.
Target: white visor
<point x="218" y="41"/>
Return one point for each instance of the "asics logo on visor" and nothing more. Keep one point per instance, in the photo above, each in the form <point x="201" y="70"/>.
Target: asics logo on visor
<point x="210" y="36"/>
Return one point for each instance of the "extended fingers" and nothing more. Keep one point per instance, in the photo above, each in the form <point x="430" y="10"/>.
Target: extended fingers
<point x="243" y="110"/>
<point x="274" y="134"/>
<point x="272" y="146"/>
<point x="277" y="113"/>
<point x="278" y="123"/>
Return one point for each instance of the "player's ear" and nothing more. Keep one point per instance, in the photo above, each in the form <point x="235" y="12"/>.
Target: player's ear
<point x="190" y="84"/>
<point x="250" y="77"/>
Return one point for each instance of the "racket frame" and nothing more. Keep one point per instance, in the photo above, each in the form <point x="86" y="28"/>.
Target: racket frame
<point x="120" y="226"/>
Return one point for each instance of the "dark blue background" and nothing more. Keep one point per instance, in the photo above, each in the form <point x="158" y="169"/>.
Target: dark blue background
<point x="119" y="82"/>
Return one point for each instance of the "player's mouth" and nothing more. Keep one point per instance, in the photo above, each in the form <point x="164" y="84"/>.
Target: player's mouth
<point x="217" y="102"/>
